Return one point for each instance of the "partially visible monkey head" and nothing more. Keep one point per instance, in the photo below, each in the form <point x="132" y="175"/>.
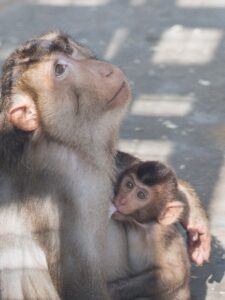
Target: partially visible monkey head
<point x="147" y="192"/>
<point x="55" y="85"/>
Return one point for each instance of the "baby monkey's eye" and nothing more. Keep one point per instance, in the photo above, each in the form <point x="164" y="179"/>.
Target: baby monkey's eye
<point x="129" y="185"/>
<point x="141" y="195"/>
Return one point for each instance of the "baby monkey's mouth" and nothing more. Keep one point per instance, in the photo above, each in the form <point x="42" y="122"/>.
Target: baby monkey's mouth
<point x="112" y="209"/>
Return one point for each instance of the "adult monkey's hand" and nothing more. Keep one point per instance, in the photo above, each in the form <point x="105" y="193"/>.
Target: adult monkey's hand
<point x="199" y="244"/>
<point x="196" y="223"/>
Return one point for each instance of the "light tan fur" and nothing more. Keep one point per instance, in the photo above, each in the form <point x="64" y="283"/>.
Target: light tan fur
<point x="54" y="198"/>
<point x="62" y="184"/>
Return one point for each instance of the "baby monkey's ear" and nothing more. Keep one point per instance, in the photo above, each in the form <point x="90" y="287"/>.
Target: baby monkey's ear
<point x="172" y="213"/>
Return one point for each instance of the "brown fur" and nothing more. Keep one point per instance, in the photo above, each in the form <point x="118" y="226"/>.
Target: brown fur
<point x="57" y="136"/>
<point x="156" y="248"/>
<point x="56" y="180"/>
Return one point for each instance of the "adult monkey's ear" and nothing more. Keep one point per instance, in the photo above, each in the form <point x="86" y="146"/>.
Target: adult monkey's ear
<point x="23" y="113"/>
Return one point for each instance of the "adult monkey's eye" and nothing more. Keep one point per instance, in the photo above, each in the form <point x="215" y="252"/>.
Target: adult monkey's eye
<point x="60" y="69"/>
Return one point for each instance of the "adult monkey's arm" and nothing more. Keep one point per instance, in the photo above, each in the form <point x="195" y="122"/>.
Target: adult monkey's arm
<point x="196" y="223"/>
<point x="195" y="220"/>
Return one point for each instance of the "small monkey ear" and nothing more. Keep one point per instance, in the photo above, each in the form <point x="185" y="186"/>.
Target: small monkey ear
<point x="23" y="114"/>
<point x="172" y="213"/>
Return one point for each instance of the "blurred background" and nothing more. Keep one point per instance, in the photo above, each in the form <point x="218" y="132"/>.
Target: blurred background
<point x="173" y="52"/>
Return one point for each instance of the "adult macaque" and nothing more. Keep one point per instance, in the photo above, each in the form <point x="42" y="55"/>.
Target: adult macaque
<point x="61" y="109"/>
<point x="60" y="112"/>
<point x="146" y="202"/>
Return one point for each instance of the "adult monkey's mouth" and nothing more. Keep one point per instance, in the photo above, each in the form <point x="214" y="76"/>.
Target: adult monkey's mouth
<point x="117" y="93"/>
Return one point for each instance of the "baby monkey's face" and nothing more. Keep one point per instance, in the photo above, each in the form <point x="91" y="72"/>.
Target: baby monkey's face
<point x="132" y="195"/>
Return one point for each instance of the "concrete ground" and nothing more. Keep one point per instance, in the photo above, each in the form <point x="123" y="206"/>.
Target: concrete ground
<point x="173" y="52"/>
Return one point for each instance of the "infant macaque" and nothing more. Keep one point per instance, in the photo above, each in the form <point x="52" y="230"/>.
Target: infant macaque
<point x="146" y="202"/>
